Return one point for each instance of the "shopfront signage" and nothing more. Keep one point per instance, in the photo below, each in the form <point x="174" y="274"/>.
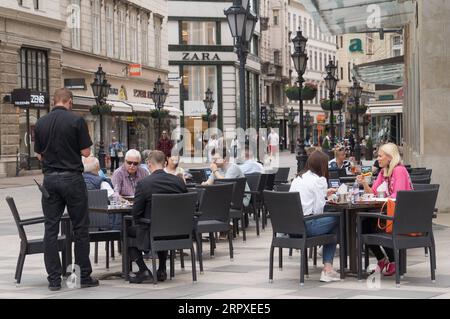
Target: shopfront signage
<point x="355" y="45"/>
<point x="200" y="56"/>
<point x="134" y="69"/>
<point x="140" y="93"/>
<point x="114" y="91"/>
<point x="27" y="98"/>
<point x="75" y="84"/>
<point x="263" y="115"/>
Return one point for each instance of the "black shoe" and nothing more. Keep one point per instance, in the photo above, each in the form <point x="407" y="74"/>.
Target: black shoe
<point x="54" y="286"/>
<point x="161" y="275"/>
<point x="89" y="282"/>
<point x="141" y="276"/>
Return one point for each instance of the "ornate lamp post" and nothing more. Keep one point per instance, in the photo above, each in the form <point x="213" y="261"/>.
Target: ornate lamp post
<point x="159" y="96"/>
<point x="356" y="91"/>
<point x="100" y="89"/>
<point x="291" y="118"/>
<point x="340" y="118"/>
<point x="209" y="103"/>
<point x="242" y="25"/>
<point x="300" y="59"/>
<point x="330" y="82"/>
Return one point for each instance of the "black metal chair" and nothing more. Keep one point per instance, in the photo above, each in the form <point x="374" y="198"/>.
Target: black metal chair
<point x="167" y="235"/>
<point x="237" y="206"/>
<point x="282" y="175"/>
<point x="270" y="183"/>
<point x="34" y="246"/>
<point x="421" y="171"/>
<point x="413" y="214"/>
<point x="214" y="216"/>
<point x="287" y="218"/>
<point x="100" y="228"/>
<point x="198" y="176"/>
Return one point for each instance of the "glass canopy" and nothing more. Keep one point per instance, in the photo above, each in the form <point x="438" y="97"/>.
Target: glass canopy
<point x="387" y="71"/>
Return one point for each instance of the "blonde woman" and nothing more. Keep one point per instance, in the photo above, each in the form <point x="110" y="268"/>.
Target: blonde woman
<point x="396" y="178"/>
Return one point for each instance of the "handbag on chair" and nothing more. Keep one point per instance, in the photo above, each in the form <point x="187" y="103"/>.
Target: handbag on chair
<point x="390" y="211"/>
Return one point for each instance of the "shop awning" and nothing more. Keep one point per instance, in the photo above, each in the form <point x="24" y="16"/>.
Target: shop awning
<point x="387" y="71"/>
<point x="385" y="108"/>
<point x="352" y="16"/>
<point x="173" y="111"/>
<point x="120" y="107"/>
<point x="141" y="107"/>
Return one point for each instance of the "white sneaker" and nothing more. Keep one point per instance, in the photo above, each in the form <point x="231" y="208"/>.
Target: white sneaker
<point x="329" y="276"/>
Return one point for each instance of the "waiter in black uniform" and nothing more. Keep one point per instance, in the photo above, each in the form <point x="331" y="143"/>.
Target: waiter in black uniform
<point x="61" y="138"/>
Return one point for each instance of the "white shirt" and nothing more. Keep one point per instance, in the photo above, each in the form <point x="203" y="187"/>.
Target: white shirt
<point x="273" y="138"/>
<point x="251" y="167"/>
<point x="105" y="185"/>
<point x="313" y="192"/>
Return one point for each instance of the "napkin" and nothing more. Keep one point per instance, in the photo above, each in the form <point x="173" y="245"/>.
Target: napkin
<point x="343" y="189"/>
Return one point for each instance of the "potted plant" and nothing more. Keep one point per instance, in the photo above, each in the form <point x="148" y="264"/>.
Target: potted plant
<point x="325" y="104"/>
<point x="361" y="109"/>
<point x="325" y="145"/>
<point x="213" y="117"/>
<point x="159" y="114"/>
<point x="369" y="149"/>
<point x="102" y="109"/>
<point x="309" y="92"/>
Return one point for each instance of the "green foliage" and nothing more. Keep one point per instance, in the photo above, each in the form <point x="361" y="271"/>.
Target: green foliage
<point x="326" y="144"/>
<point x="159" y="114"/>
<point x="102" y="109"/>
<point x="337" y="104"/>
<point x="309" y="92"/>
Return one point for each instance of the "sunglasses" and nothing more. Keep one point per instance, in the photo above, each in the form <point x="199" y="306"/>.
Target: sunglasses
<point x="133" y="163"/>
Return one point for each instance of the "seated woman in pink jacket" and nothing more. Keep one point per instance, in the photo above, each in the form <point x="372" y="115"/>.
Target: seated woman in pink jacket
<point x="395" y="176"/>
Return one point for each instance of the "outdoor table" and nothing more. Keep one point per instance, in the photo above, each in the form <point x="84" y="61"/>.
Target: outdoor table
<point x="123" y="210"/>
<point x="350" y="212"/>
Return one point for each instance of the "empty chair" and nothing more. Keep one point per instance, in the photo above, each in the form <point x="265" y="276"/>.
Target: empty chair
<point x="419" y="179"/>
<point x="171" y="227"/>
<point x="422" y="172"/>
<point x="100" y="226"/>
<point x="214" y="216"/>
<point x="413" y="214"/>
<point x="236" y="209"/>
<point x="33" y="246"/>
<point x="270" y="183"/>
<point x="282" y="175"/>
<point x="256" y="183"/>
<point x="287" y="218"/>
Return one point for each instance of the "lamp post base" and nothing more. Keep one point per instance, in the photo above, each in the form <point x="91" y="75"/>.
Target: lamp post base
<point x="101" y="157"/>
<point x="301" y="157"/>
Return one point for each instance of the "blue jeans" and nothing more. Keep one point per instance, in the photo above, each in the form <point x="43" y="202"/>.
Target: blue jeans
<point x="322" y="226"/>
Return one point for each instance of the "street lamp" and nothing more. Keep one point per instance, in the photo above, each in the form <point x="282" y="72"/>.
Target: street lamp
<point x="100" y="89"/>
<point x="242" y="26"/>
<point x="331" y="82"/>
<point x="291" y="118"/>
<point x="300" y="59"/>
<point x="209" y="103"/>
<point x="159" y="96"/>
<point x="356" y="91"/>
<point x="339" y="97"/>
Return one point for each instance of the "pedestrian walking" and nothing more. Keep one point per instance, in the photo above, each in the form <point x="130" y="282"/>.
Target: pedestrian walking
<point x="165" y="144"/>
<point x="61" y="138"/>
<point x="116" y="153"/>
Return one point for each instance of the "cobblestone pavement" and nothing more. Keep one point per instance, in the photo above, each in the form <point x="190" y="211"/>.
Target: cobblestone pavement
<point x="245" y="277"/>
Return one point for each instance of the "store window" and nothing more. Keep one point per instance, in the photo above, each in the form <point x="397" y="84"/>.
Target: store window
<point x="276" y="14"/>
<point x="198" y="33"/>
<point x="33" y="75"/>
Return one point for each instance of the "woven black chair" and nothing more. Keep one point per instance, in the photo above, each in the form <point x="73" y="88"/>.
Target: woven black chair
<point x="270" y="183"/>
<point x="287" y="218"/>
<point x="282" y="175"/>
<point x="167" y="235"/>
<point x="214" y="216"/>
<point x="413" y="214"/>
<point x="100" y="228"/>
<point x="33" y="246"/>
<point x="256" y="183"/>
<point x="236" y="209"/>
<point x="282" y="187"/>
<point x="420" y="179"/>
<point x="421" y="172"/>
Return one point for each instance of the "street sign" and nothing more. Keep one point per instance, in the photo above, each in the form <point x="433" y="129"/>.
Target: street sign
<point x="263" y="115"/>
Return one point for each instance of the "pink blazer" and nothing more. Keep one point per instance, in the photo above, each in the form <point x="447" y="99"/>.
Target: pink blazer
<point x="399" y="181"/>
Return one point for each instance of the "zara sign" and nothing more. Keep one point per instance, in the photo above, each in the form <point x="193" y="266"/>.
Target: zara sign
<point x="200" y="56"/>
<point x="28" y="98"/>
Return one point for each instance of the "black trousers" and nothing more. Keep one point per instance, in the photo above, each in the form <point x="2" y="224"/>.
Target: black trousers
<point x="114" y="163"/>
<point x="136" y="254"/>
<point x="370" y="225"/>
<point x="66" y="191"/>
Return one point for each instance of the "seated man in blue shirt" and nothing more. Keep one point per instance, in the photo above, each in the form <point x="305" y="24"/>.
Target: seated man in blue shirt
<point x="251" y="166"/>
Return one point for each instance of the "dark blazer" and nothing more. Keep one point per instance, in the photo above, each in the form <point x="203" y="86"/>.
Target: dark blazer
<point x="159" y="182"/>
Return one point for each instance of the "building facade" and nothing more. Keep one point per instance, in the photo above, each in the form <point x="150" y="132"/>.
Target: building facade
<point x="129" y="40"/>
<point x="201" y="56"/>
<point x="30" y="59"/>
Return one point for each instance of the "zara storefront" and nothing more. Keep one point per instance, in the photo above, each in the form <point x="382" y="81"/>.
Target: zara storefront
<point x="201" y="57"/>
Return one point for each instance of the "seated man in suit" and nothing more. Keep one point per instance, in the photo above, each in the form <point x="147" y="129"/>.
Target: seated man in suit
<point x="159" y="182"/>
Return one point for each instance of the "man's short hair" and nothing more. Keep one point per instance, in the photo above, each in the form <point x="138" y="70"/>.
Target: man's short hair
<point x="62" y="95"/>
<point x="91" y="164"/>
<point x="133" y="153"/>
<point x="157" y="158"/>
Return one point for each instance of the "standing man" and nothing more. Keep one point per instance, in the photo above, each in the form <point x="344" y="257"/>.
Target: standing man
<point x="165" y="144"/>
<point x="61" y="138"/>
<point x="115" y="150"/>
<point x="274" y="141"/>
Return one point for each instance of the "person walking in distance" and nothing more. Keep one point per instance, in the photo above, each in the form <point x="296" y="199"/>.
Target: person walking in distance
<point x="115" y="151"/>
<point x="274" y="140"/>
<point x="165" y="144"/>
<point x="61" y="138"/>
